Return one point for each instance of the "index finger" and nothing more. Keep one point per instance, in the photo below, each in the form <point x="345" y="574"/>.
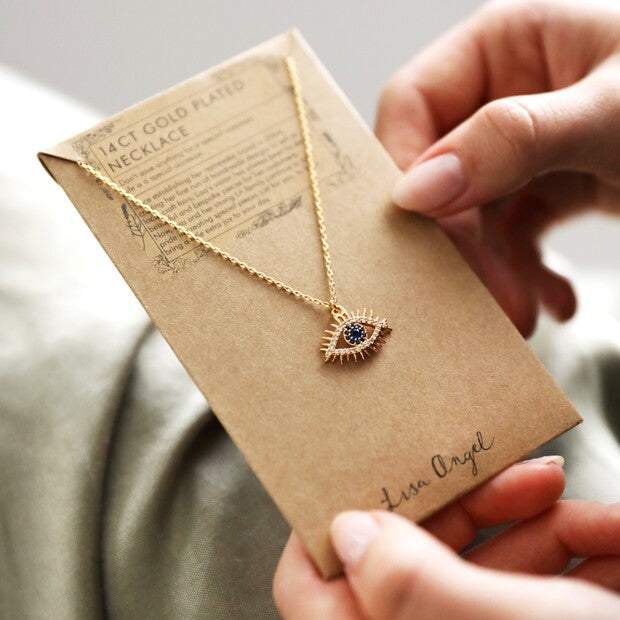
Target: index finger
<point x="432" y="93"/>
<point x="504" y="49"/>
<point x="522" y="491"/>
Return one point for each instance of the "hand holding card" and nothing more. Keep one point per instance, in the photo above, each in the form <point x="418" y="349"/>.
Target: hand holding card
<point x="455" y="397"/>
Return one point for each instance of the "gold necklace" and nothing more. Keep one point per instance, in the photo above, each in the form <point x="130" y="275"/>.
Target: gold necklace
<point x="350" y="327"/>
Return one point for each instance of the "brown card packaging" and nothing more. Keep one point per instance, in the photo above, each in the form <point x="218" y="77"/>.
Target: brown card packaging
<point x="453" y="397"/>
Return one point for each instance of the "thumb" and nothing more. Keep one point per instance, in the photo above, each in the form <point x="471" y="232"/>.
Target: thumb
<point x="398" y="570"/>
<point x="509" y="141"/>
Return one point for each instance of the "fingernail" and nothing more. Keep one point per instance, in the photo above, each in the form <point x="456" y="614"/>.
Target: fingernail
<point x="351" y="534"/>
<point x="548" y="460"/>
<point x="431" y="184"/>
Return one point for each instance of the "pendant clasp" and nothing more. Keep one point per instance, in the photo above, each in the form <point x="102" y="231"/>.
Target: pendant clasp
<point x="339" y="312"/>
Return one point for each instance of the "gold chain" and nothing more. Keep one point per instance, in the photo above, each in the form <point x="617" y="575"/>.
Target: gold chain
<point x="314" y="181"/>
<point x="316" y="195"/>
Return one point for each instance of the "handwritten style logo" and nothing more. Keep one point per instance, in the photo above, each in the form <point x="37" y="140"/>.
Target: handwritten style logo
<point x="441" y="467"/>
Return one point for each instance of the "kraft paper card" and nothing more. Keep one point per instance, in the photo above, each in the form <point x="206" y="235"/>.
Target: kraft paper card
<point x="454" y="396"/>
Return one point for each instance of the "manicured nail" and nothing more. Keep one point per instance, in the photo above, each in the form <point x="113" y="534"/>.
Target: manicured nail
<point x="547" y="460"/>
<point x="351" y="534"/>
<point x="431" y="184"/>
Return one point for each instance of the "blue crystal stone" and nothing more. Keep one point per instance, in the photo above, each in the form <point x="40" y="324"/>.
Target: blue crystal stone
<point x="354" y="333"/>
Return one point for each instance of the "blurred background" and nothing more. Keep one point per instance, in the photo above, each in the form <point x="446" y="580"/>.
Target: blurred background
<point x="113" y="54"/>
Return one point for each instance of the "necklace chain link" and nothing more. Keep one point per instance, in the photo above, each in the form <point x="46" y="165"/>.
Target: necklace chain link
<point x="332" y="304"/>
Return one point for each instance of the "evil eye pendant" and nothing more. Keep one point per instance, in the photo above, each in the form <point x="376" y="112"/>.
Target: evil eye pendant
<point x="354" y="335"/>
